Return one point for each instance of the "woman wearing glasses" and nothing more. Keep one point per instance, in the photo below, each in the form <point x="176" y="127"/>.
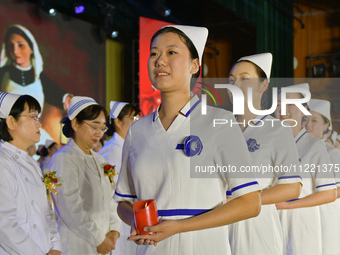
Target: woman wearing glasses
<point x="26" y="224"/>
<point x="86" y="213"/>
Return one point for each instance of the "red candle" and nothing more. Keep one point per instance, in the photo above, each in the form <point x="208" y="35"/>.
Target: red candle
<point x="145" y="215"/>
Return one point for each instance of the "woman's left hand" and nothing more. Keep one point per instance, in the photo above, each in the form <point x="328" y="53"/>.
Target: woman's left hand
<point x="54" y="252"/>
<point x="159" y="232"/>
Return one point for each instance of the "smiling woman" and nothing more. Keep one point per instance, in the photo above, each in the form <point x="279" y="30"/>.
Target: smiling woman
<point x="23" y="229"/>
<point x="86" y="211"/>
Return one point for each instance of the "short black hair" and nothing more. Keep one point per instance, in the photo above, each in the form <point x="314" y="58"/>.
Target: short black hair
<point x="186" y="40"/>
<point x="89" y="113"/>
<point x="126" y="110"/>
<point x="17" y="108"/>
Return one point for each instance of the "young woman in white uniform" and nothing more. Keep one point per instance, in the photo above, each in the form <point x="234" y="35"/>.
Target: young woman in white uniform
<point x="87" y="216"/>
<point x="122" y="115"/>
<point x="300" y="218"/>
<point x="51" y="147"/>
<point x="317" y="125"/>
<point x="26" y="224"/>
<point x="162" y="150"/>
<point x="269" y="144"/>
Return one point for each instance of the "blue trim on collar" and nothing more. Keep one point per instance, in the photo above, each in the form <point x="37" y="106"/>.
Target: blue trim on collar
<point x="182" y="212"/>
<point x="124" y="195"/>
<point x="261" y="119"/>
<point x="300" y="137"/>
<point x="192" y="108"/>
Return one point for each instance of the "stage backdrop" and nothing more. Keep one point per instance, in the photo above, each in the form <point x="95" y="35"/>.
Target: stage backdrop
<point x="73" y="59"/>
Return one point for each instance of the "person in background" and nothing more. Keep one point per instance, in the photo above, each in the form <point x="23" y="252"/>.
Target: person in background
<point x="122" y="115"/>
<point x="300" y="218"/>
<point x="51" y="147"/>
<point x="87" y="217"/>
<point x="26" y="224"/>
<point x="269" y="144"/>
<point x="318" y="124"/>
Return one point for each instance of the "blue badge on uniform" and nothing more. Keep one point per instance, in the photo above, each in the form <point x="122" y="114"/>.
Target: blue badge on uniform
<point x="192" y="146"/>
<point x="252" y="145"/>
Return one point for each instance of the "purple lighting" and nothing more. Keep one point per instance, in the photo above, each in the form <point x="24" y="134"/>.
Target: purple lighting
<point x="79" y="9"/>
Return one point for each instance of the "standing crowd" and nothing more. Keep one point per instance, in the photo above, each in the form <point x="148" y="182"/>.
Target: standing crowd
<point x="278" y="213"/>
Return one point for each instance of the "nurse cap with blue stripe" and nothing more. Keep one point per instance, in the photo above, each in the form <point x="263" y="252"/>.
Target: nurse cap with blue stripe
<point x="115" y="108"/>
<point x="263" y="60"/>
<point x="323" y="107"/>
<point x="77" y="104"/>
<point x="7" y="101"/>
<point x="198" y="36"/>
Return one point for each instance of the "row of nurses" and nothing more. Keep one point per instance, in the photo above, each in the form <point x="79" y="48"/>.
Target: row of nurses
<point x="162" y="150"/>
<point x="300" y="218"/>
<point x="26" y="224"/>
<point x="269" y="144"/>
<point x="318" y="124"/>
<point x="86" y="213"/>
<point x="122" y="115"/>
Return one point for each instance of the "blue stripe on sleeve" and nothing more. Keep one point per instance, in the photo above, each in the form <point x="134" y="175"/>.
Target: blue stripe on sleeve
<point x="123" y="195"/>
<point x="290" y="177"/>
<point x="243" y="186"/>
<point x="182" y="212"/>
<point x="331" y="184"/>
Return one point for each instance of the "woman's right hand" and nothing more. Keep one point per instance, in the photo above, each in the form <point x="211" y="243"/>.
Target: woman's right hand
<point x="106" y="246"/>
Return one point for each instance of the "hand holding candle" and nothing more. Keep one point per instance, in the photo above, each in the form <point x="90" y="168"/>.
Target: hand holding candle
<point x="146" y="214"/>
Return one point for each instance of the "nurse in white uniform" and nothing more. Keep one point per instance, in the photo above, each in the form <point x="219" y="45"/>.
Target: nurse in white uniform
<point x="318" y="125"/>
<point x="300" y="218"/>
<point x="51" y="147"/>
<point x="87" y="216"/>
<point x="122" y="115"/>
<point x="269" y="144"/>
<point x="166" y="154"/>
<point x="26" y="224"/>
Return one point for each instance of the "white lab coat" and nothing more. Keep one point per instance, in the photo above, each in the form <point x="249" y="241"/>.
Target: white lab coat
<point x="330" y="219"/>
<point x="112" y="152"/>
<point x="85" y="208"/>
<point x="154" y="166"/>
<point x="302" y="226"/>
<point x="275" y="147"/>
<point x="26" y="224"/>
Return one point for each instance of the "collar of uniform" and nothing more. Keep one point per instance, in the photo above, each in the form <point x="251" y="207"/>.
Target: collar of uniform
<point x="73" y="144"/>
<point x="300" y="135"/>
<point x="118" y="138"/>
<point x="258" y="119"/>
<point x="186" y="110"/>
<point x="18" y="153"/>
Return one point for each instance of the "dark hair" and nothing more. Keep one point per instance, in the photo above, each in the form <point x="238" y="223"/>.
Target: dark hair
<point x="16" y="30"/>
<point x="326" y="121"/>
<point x="52" y="144"/>
<point x="128" y="109"/>
<point x="42" y="152"/>
<point x="186" y="40"/>
<point x="17" y="108"/>
<point x="262" y="77"/>
<point x="89" y="113"/>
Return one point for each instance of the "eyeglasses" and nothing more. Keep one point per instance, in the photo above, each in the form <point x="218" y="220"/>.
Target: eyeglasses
<point x="95" y="129"/>
<point x="33" y="116"/>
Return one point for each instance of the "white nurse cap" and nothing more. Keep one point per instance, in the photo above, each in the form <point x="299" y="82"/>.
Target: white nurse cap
<point x="77" y="104"/>
<point x="115" y="108"/>
<point x="198" y="36"/>
<point x="300" y="86"/>
<point x="7" y="101"/>
<point x="263" y="60"/>
<point x="321" y="106"/>
<point x="48" y="143"/>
